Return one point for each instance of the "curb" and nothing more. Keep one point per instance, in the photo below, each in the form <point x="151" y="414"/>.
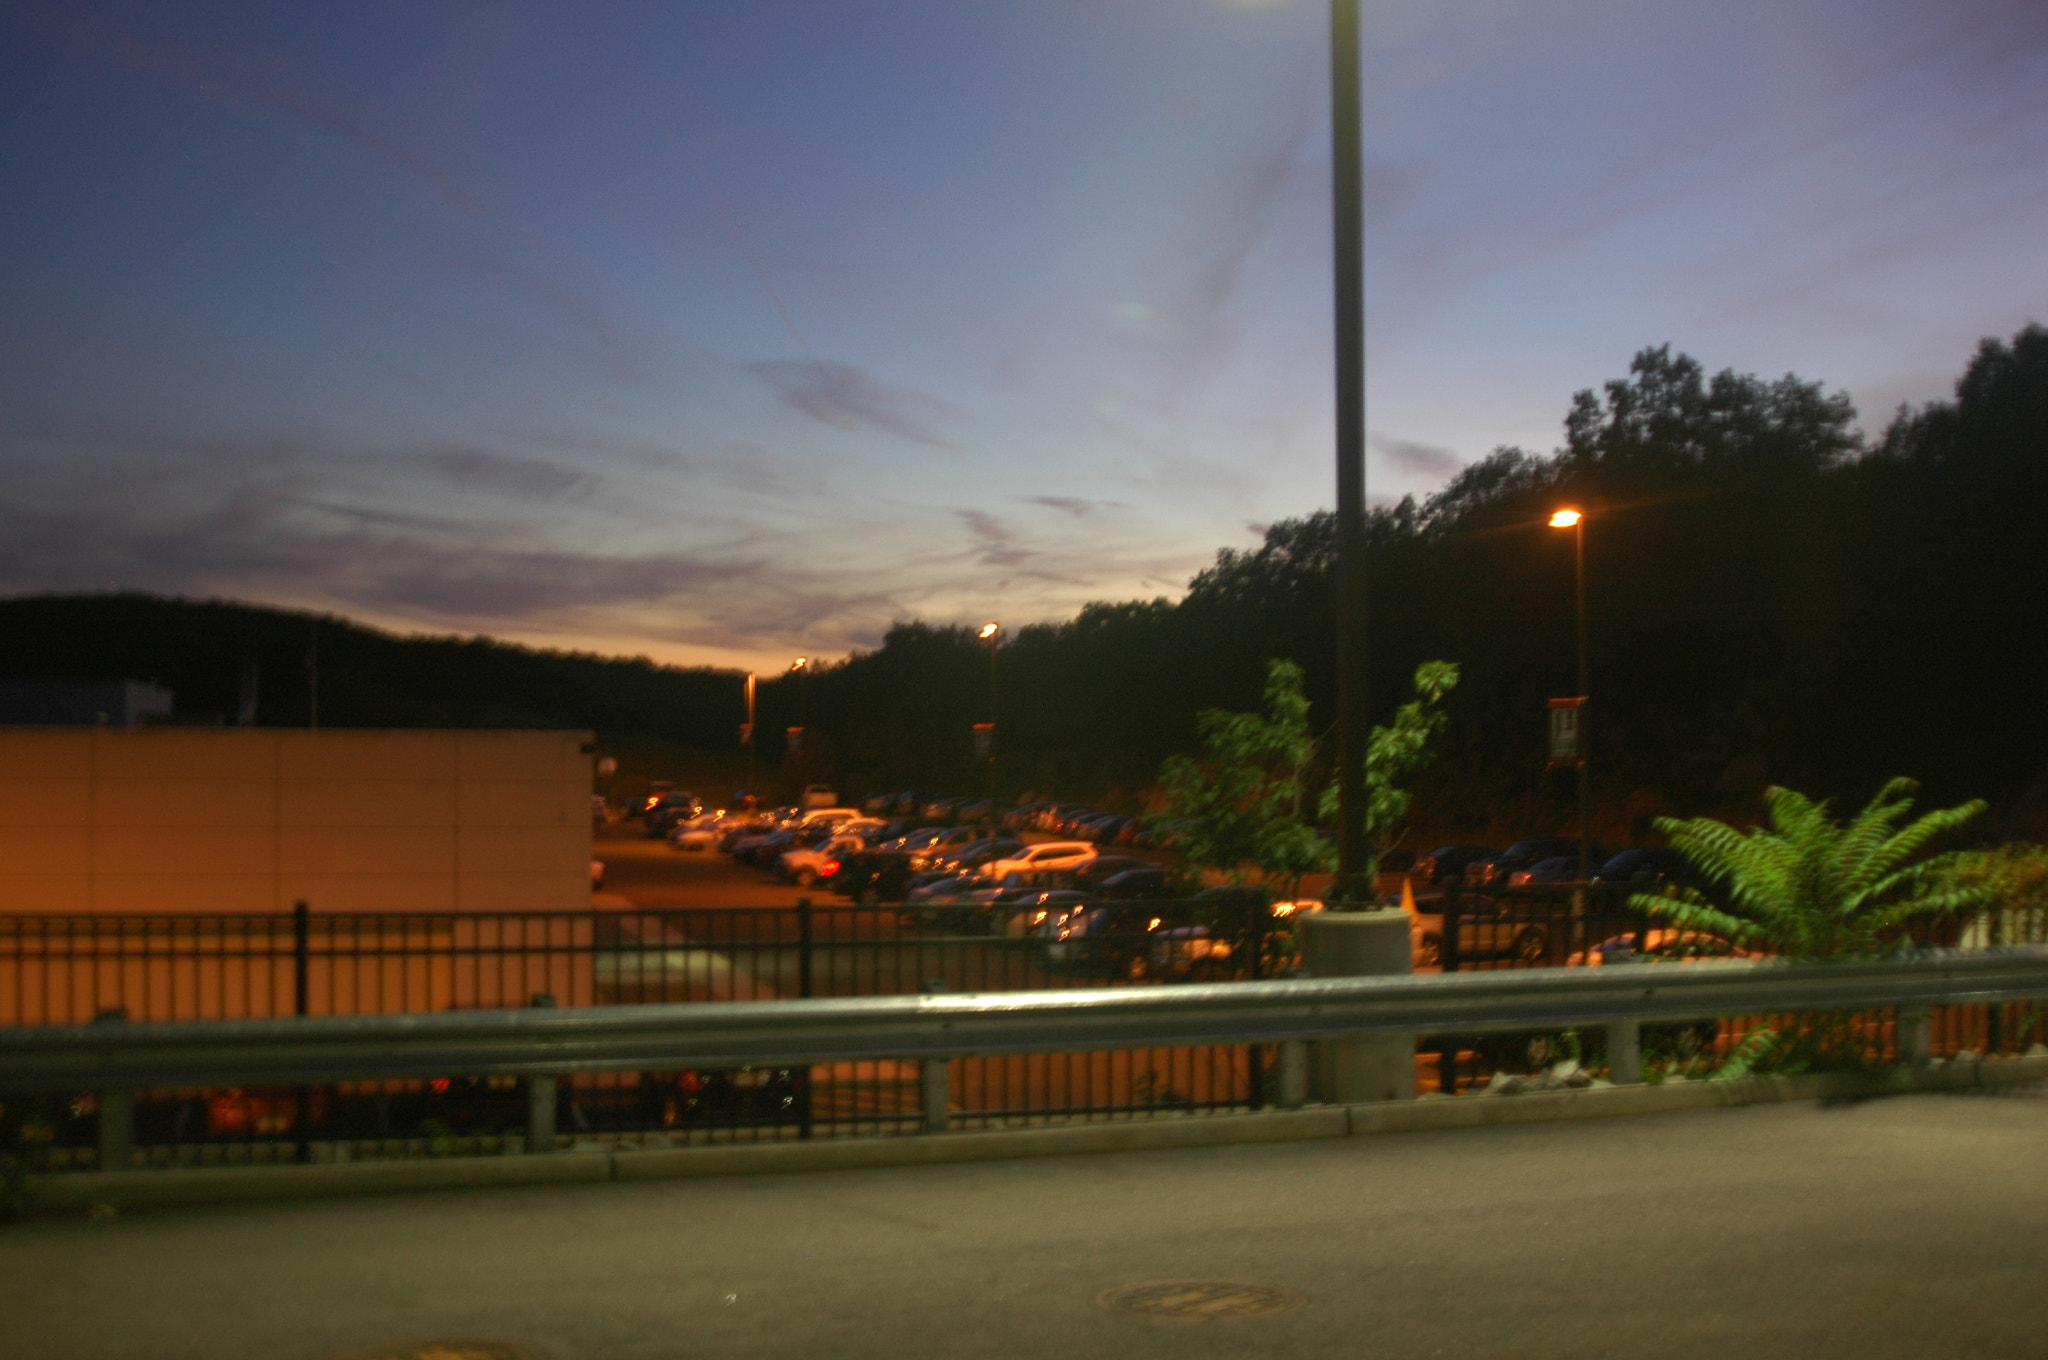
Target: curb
<point x="223" y="1185"/>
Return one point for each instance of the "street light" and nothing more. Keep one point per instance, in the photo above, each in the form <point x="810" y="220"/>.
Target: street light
<point x="1574" y="520"/>
<point x="985" y="733"/>
<point x="793" y="738"/>
<point x="747" y="732"/>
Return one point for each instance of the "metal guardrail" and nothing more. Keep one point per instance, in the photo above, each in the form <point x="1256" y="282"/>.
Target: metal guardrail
<point x="544" y="1042"/>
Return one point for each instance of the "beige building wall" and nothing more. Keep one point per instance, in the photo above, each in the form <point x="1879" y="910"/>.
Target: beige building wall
<point x="254" y="819"/>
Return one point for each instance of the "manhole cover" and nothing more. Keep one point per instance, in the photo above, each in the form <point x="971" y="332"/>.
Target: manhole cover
<point x="447" y="1348"/>
<point x="1200" y="1300"/>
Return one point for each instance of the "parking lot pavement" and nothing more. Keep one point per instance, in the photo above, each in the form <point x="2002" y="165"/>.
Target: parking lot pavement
<point x="1905" y="1228"/>
<point x="649" y="873"/>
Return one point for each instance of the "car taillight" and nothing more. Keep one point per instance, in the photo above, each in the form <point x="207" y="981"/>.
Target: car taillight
<point x="828" y="868"/>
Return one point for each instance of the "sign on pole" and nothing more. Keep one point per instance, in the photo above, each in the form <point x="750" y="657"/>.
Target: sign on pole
<point x="1567" y="731"/>
<point x="984" y="741"/>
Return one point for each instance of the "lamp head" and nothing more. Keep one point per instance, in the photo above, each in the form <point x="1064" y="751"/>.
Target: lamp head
<point x="800" y="663"/>
<point x="989" y="630"/>
<point x="1565" y="519"/>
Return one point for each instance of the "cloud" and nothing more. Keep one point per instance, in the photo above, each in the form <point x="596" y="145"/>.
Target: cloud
<point x="846" y="398"/>
<point x="1073" y="505"/>
<point x="215" y="75"/>
<point x="1416" y="458"/>
<point x="482" y="470"/>
<point x="997" y="543"/>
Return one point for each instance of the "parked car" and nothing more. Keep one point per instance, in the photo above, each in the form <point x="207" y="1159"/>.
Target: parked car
<point x="1483" y="937"/>
<point x="701" y="832"/>
<point x="1493" y="871"/>
<point x="669" y="809"/>
<point x="1042" y="857"/>
<point x="1449" y="861"/>
<point x="1649" y="868"/>
<point x="807" y="864"/>
<point x="948" y="842"/>
<point x="1556" y="869"/>
<point x="1152" y="882"/>
<point x="1092" y="874"/>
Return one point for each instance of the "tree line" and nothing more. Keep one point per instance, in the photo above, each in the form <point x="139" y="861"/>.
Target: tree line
<point x="1774" y="599"/>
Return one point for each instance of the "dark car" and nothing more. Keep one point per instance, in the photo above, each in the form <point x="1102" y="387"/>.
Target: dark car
<point x="1649" y="867"/>
<point x="1449" y="861"/>
<point x="1494" y="872"/>
<point x="1152" y="882"/>
<point x="1098" y="871"/>
<point x="1556" y="869"/>
<point x="661" y="815"/>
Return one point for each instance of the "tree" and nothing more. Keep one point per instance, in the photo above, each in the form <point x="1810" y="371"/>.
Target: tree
<point x="1809" y="888"/>
<point x="1395" y="754"/>
<point x="1241" y="803"/>
<point x="1245" y="802"/>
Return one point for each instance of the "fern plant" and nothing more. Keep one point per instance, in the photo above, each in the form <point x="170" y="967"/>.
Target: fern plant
<point x="1808" y="887"/>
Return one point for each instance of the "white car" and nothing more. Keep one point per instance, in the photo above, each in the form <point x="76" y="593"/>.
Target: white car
<point x="806" y="864"/>
<point x="700" y="832"/>
<point x="1041" y="858"/>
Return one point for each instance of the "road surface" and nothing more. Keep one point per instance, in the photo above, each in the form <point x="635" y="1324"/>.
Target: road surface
<point x="1902" y="1229"/>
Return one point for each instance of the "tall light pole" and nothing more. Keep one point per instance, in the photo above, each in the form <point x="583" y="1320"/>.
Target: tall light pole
<point x="1354" y="886"/>
<point x="747" y="732"/>
<point x="990" y="631"/>
<point x="793" y="738"/>
<point x="1575" y="521"/>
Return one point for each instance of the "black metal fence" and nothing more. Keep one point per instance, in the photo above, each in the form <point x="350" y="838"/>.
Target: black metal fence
<point x="76" y="969"/>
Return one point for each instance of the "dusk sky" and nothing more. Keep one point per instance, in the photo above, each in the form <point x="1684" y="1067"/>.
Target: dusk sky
<point x="724" y="332"/>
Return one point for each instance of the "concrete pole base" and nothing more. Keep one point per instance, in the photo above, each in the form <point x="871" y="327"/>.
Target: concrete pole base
<point x="1361" y="944"/>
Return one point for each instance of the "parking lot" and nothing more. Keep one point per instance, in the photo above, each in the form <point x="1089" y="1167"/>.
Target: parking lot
<point x="1903" y="1228"/>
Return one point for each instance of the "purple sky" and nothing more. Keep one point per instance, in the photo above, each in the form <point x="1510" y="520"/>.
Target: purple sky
<point x="725" y="332"/>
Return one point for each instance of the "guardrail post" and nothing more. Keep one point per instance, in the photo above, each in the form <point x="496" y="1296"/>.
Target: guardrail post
<point x="1361" y="944"/>
<point x="1624" y="1052"/>
<point x="116" y="1111"/>
<point x="1290" y="1075"/>
<point x="1915" y="1033"/>
<point x="935" y="1094"/>
<point x="540" y="1100"/>
<point x="933" y="1086"/>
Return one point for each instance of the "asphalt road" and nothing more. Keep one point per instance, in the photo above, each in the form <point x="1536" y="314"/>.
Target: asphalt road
<point x="1907" y="1228"/>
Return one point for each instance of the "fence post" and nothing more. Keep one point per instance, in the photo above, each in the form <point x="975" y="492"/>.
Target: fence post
<point x="806" y="985"/>
<point x="1915" y="1032"/>
<point x="302" y="1105"/>
<point x="116" y="1111"/>
<point x="540" y="1100"/>
<point x="1624" y="1052"/>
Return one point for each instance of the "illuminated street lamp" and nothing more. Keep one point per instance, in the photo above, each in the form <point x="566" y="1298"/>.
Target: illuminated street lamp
<point x="1574" y="520"/>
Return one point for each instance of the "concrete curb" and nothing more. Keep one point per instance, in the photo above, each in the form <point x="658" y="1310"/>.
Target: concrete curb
<point x="219" y="1185"/>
